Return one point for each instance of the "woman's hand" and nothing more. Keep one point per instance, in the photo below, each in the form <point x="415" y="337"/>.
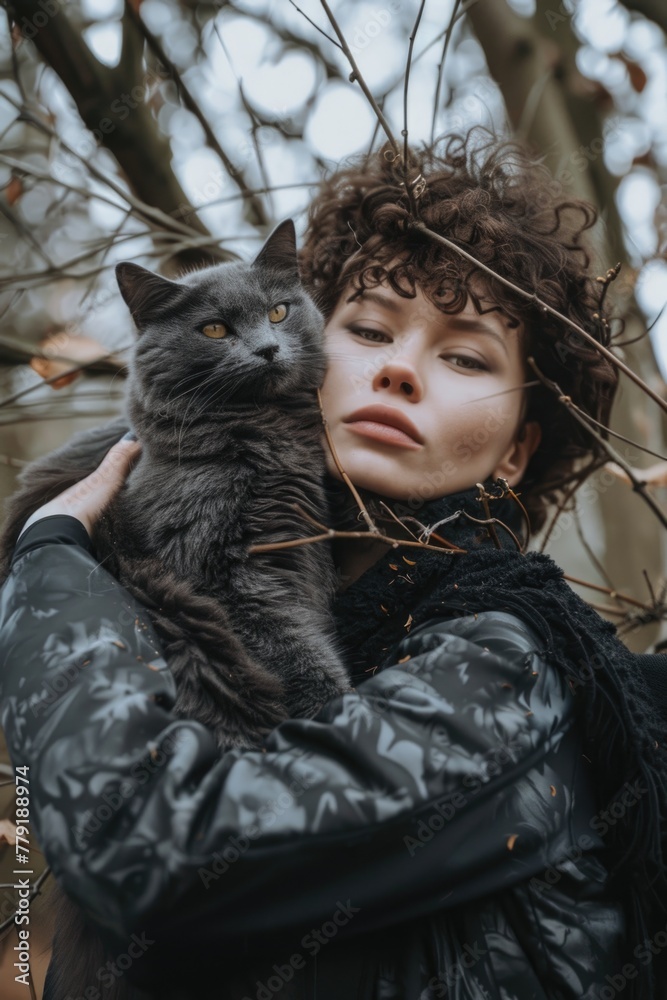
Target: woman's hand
<point x="87" y="499"/>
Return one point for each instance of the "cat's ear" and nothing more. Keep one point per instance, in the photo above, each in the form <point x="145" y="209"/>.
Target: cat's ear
<point x="279" y="251"/>
<point x="144" y="292"/>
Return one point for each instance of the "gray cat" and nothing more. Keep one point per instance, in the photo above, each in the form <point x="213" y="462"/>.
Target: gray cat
<point x="222" y="396"/>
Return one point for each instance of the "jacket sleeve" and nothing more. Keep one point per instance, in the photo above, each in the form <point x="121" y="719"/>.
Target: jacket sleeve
<point x="441" y="778"/>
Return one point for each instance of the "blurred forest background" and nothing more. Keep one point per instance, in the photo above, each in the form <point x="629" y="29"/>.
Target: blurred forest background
<point x="177" y="133"/>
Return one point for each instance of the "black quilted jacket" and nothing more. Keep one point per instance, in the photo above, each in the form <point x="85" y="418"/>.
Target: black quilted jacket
<point x="431" y="834"/>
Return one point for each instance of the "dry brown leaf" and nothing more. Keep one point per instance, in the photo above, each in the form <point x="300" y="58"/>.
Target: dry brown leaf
<point x="655" y="475"/>
<point x="13" y="190"/>
<point x="7" y="831"/>
<point x="602" y="98"/>
<point x="64" y="352"/>
<point x="638" y="78"/>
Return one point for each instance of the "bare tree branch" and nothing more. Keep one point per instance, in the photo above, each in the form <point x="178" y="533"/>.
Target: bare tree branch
<point x="101" y="92"/>
<point x="257" y="215"/>
<point x="581" y="417"/>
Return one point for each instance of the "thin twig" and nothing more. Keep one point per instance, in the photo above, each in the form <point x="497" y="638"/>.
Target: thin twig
<point x="411" y="45"/>
<point x="621" y="437"/>
<point x="344" y="476"/>
<point x="254" y="121"/>
<point x="396" y="518"/>
<point x="429" y="531"/>
<point x="441" y="64"/>
<point x="637" y="485"/>
<point x="15" y="63"/>
<point x="607" y="609"/>
<point x="54" y="378"/>
<point x="141" y="207"/>
<point x="650" y="587"/>
<point x="355" y="76"/>
<point x="317" y="27"/>
<point x="332" y="533"/>
<point x="589" y="550"/>
<point x="483" y="496"/>
<point x="576" y="483"/>
<point x="654" y="321"/>
<point x="26" y="233"/>
<point x="614" y="594"/>
<point x="241" y="194"/>
<point x="427" y="48"/>
<point x="489" y="523"/>
<point x="328" y="534"/>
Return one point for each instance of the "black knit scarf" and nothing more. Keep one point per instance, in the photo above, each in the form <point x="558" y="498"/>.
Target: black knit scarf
<point x="625" y="725"/>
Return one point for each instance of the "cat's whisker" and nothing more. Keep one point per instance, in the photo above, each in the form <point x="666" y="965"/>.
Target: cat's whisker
<point x="182" y="381"/>
<point x="225" y="382"/>
<point x="215" y="376"/>
<point x="188" y="378"/>
<point x="196" y="390"/>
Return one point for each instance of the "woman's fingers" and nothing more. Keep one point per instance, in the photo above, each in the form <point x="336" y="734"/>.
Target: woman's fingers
<point x="87" y="499"/>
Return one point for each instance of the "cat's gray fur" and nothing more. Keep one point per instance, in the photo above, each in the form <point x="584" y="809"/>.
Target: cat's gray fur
<point x="231" y="441"/>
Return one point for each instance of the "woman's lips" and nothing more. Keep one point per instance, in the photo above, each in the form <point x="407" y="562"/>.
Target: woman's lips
<point x="383" y="433"/>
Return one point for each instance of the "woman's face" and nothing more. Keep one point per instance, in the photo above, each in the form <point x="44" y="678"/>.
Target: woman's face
<point x="419" y="403"/>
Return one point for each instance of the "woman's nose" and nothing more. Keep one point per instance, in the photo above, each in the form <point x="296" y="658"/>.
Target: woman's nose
<point x="399" y="375"/>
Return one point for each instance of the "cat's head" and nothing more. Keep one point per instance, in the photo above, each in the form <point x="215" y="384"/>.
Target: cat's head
<point x="245" y="331"/>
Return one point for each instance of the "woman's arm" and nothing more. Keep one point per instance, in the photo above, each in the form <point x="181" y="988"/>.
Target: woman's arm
<point x="439" y="779"/>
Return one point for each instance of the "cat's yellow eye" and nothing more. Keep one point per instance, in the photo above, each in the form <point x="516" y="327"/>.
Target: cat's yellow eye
<point x="278" y="313"/>
<point x="215" y="330"/>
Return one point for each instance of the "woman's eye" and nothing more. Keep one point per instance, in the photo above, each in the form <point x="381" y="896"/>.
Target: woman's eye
<point x="469" y="362"/>
<point x="374" y="335"/>
<point x="215" y="330"/>
<point x="277" y="313"/>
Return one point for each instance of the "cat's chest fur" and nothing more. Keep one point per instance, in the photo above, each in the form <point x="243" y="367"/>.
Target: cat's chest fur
<point x="233" y="485"/>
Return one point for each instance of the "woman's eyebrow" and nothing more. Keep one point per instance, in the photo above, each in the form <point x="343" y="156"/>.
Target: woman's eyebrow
<point x="471" y="325"/>
<point x="378" y="298"/>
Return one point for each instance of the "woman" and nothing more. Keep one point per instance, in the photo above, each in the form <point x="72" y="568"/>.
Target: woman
<point x="481" y="816"/>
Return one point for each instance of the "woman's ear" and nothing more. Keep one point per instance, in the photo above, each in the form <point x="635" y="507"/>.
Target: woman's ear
<point x="514" y="463"/>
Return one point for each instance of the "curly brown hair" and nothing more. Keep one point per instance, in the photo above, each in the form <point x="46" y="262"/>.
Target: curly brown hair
<point x="492" y="199"/>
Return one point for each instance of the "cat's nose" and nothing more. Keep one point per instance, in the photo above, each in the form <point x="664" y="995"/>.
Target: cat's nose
<point x="269" y="352"/>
